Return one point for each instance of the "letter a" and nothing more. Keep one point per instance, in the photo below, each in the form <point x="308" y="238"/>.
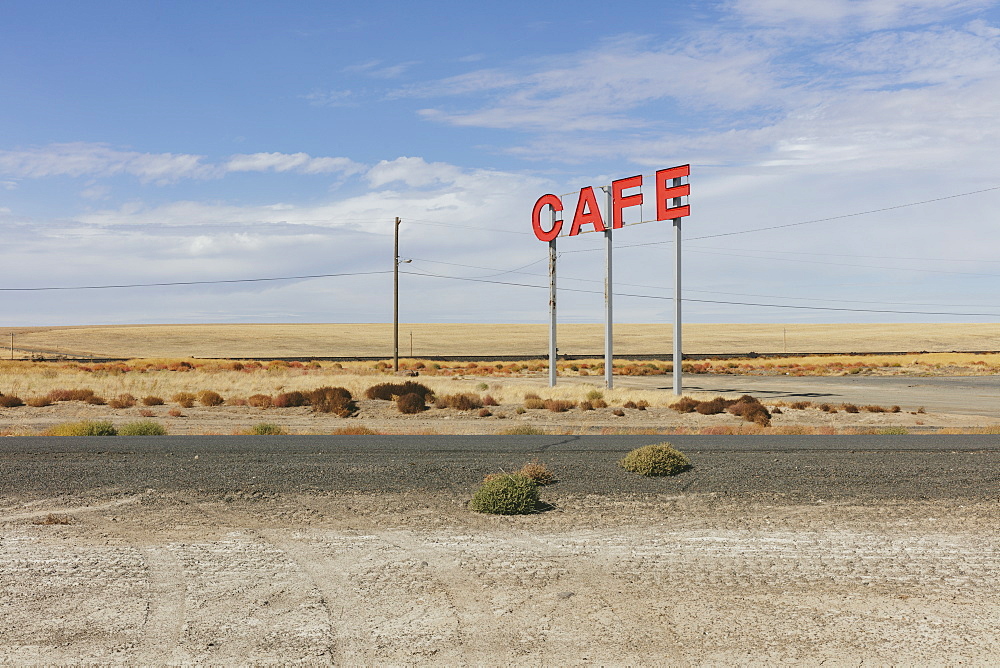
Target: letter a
<point x="587" y="212"/>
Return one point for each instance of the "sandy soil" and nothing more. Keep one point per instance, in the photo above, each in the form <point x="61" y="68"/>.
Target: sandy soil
<point x="160" y="579"/>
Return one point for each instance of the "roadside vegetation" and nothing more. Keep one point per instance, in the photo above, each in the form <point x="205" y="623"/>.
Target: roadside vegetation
<point x="505" y="397"/>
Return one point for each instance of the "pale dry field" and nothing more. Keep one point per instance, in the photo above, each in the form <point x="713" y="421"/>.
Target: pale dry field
<point x="264" y="341"/>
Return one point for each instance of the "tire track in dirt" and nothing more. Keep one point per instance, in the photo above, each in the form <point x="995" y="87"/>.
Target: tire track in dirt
<point x="322" y="579"/>
<point x="166" y="613"/>
<point x="68" y="510"/>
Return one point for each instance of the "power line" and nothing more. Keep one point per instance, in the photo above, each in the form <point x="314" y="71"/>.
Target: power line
<point x="847" y="264"/>
<point x="173" y="283"/>
<point x="710" y="301"/>
<point x="660" y="287"/>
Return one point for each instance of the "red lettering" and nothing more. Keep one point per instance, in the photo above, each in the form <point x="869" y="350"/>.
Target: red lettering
<point x="587" y="212"/>
<point x="665" y="193"/>
<point x="536" y="217"/>
<point x="619" y="202"/>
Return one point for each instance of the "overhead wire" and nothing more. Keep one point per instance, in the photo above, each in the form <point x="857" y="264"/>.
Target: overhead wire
<point x="210" y="282"/>
<point x="708" y="301"/>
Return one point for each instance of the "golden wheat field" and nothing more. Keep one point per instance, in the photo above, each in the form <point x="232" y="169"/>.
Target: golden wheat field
<point x="265" y="341"/>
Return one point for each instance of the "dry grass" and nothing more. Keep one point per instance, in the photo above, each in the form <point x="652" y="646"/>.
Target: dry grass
<point x="287" y="340"/>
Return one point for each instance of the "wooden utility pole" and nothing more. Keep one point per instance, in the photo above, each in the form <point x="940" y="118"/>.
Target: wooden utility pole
<point x="395" y="298"/>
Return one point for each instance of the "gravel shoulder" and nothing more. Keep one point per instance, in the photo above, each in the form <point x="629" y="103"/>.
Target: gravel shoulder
<point x="880" y="554"/>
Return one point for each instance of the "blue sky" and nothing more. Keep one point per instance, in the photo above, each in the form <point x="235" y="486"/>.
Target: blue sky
<point x="212" y="141"/>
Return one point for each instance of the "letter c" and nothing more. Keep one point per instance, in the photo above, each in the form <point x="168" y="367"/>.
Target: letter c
<point x="536" y="215"/>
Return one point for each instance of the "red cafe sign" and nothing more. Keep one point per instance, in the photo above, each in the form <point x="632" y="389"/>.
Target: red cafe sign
<point x="589" y="213"/>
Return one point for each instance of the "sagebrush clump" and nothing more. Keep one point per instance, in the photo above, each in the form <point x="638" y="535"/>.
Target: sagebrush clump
<point x="538" y="472"/>
<point x="336" y="400"/>
<point x="210" y="398"/>
<point x="390" y="391"/>
<point x="266" y="429"/>
<point x="506" y="494"/>
<point x="84" y="428"/>
<point x="411" y="404"/>
<point x="656" y="460"/>
<point x="142" y="428"/>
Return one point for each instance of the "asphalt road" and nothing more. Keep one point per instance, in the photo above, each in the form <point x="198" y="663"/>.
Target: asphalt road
<point x="964" y="395"/>
<point x="791" y="468"/>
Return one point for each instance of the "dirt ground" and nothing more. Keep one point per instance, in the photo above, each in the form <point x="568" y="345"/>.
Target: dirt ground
<point x="415" y="578"/>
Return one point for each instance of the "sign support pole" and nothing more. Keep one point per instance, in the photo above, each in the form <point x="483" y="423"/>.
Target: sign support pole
<point x="678" y="355"/>
<point x="609" y="356"/>
<point x="553" y="351"/>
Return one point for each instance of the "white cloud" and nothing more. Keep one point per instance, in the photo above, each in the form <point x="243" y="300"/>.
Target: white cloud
<point x="332" y="98"/>
<point x="596" y="89"/>
<point x="81" y="159"/>
<point x="376" y="68"/>
<point x="843" y="14"/>
<point x="414" y="172"/>
<point x="302" y="163"/>
<point x="89" y="159"/>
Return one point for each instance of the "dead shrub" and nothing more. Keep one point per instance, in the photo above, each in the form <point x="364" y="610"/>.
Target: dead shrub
<point x="175" y="412"/>
<point x="685" y="405"/>
<point x="356" y="430"/>
<point x="52" y="519"/>
<point x="152" y="401"/>
<point x="534" y="403"/>
<point x="390" y="391"/>
<point x="70" y="395"/>
<point x="39" y="402"/>
<point x="618" y="412"/>
<point x="538" y="472"/>
<point x="185" y="399"/>
<point x="460" y="402"/>
<point x="210" y="398"/>
<point x="122" y="401"/>
<point x="641" y="405"/>
<point x="586" y="406"/>
<point x="145" y="412"/>
<point x="713" y="406"/>
<point x="871" y="408"/>
<point x="800" y="405"/>
<point x="630" y="404"/>
<point x="599" y="403"/>
<point x="10" y="401"/>
<point x="559" y="405"/>
<point x="849" y="408"/>
<point x="336" y="400"/>
<point x="895" y="409"/>
<point x="256" y="400"/>
<point x="751" y="410"/>
<point x="292" y="399"/>
<point x="410" y="404"/>
<point x="488" y="400"/>
<point x="94" y="400"/>
<point x="485" y="412"/>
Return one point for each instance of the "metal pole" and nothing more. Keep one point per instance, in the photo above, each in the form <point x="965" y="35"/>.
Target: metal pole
<point x="609" y="356"/>
<point x="395" y="298"/>
<point x="553" y="351"/>
<point x="678" y="355"/>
